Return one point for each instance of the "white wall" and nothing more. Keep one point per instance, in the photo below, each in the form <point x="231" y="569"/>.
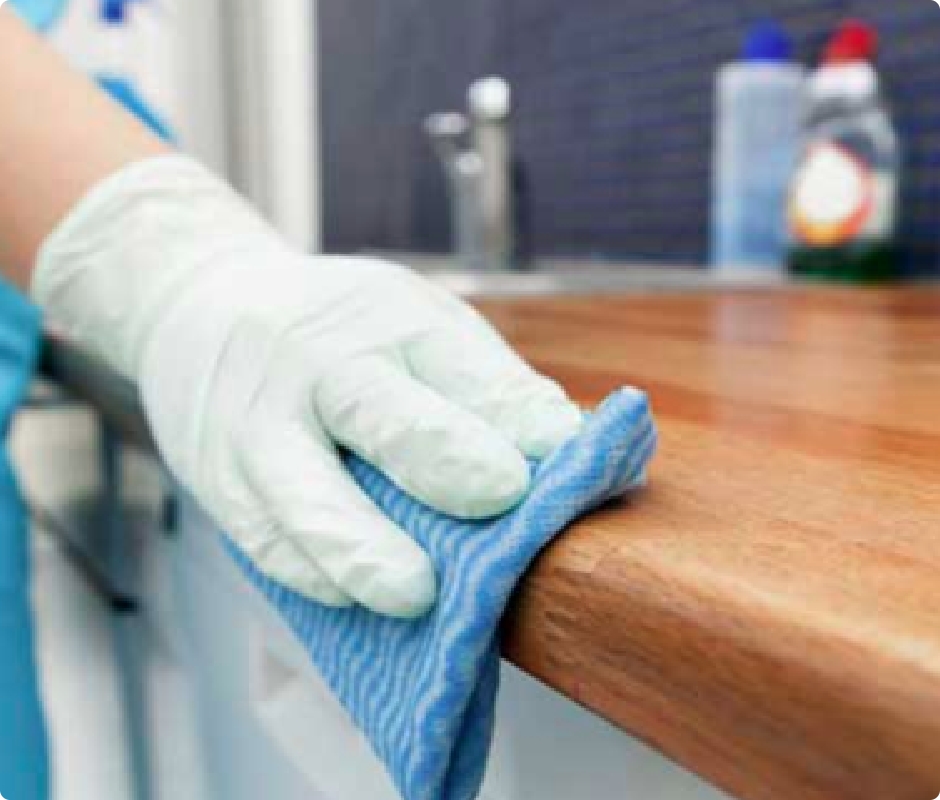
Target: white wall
<point x="273" y="111"/>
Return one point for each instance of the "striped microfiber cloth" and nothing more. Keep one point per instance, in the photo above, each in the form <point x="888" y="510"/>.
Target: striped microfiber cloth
<point x="424" y="692"/>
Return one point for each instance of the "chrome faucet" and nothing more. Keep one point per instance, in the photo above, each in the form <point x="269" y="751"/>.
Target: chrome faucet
<point x="476" y="153"/>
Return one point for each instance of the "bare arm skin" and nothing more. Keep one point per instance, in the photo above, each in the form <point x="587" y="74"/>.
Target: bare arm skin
<point x="59" y="136"/>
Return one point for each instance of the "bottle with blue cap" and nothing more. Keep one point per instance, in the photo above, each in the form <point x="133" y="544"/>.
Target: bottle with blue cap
<point x="760" y="101"/>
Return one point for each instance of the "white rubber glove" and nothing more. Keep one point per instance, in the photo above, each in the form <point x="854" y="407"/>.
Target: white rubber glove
<point x="252" y="361"/>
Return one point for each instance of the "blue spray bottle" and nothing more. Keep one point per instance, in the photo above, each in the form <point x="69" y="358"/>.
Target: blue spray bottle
<point x="114" y="78"/>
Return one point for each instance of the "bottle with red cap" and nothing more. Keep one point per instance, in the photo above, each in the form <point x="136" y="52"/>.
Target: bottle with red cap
<point x="844" y="198"/>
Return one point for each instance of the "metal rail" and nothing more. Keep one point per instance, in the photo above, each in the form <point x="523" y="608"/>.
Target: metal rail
<point x="86" y="378"/>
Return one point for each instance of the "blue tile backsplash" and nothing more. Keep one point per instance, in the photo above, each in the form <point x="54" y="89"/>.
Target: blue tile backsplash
<point x="614" y="114"/>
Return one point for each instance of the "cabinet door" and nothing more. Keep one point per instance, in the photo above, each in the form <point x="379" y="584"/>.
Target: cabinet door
<point x="268" y="726"/>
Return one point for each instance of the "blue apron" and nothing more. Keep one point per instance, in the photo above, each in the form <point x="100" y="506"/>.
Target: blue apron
<point x="24" y="771"/>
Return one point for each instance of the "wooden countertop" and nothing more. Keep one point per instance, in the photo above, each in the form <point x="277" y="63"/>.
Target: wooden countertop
<point x="767" y="612"/>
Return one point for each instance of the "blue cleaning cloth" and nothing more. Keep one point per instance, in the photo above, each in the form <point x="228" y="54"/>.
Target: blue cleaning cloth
<point x="424" y="692"/>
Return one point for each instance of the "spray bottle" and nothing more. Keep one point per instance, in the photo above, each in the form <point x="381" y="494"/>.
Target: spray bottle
<point x="114" y="76"/>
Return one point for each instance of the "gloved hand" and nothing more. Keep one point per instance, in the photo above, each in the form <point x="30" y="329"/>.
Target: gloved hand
<point x="254" y="361"/>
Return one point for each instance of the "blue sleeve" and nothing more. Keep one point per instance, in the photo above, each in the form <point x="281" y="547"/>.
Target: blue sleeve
<point x="24" y="771"/>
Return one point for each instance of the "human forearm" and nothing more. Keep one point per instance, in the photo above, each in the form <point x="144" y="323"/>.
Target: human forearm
<point x="59" y="136"/>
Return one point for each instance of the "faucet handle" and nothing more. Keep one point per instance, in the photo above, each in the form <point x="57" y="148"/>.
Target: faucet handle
<point x="448" y="131"/>
<point x="446" y="125"/>
<point x="490" y="99"/>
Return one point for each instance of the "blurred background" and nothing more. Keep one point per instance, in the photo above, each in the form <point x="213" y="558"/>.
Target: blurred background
<point x="617" y="136"/>
<point x="614" y="117"/>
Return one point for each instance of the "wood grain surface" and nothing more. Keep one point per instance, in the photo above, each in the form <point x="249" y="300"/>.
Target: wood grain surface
<point x="767" y="611"/>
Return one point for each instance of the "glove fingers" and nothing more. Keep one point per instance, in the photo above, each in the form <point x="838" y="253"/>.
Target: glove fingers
<point x="282" y="561"/>
<point x="305" y="488"/>
<point x="491" y="381"/>
<point x="430" y="447"/>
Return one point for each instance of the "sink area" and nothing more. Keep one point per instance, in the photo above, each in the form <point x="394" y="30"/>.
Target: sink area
<point x="568" y="276"/>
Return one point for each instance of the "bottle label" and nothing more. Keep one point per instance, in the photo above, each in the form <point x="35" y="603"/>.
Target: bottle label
<point x="837" y="197"/>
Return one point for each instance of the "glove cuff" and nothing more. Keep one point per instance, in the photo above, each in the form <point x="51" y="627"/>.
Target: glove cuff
<point x="111" y="269"/>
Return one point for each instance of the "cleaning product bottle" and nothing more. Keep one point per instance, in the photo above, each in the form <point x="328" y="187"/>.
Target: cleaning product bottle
<point x="759" y="109"/>
<point x="845" y="193"/>
<point x="114" y="77"/>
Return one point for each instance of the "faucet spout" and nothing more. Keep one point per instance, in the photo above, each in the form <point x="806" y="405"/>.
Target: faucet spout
<point x="490" y="101"/>
<point x="476" y="154"/>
